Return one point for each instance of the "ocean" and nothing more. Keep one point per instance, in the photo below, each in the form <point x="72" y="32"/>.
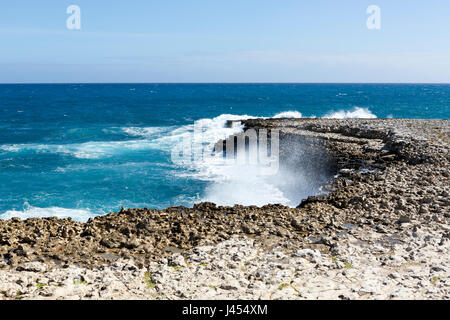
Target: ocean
<point x="81" y="150"/>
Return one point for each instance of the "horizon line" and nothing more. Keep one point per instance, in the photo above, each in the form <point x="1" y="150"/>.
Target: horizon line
<point x="65" y="83"/>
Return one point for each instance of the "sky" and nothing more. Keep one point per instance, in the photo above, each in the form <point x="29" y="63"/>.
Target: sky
<point x="225" y="41"/>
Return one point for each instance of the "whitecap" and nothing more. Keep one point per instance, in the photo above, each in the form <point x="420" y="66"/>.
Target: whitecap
<point x="87" y="150"/>
<point x="288" y="114"/>
<point x="357" y="112"/>
<point x="28" y="211"/>
<point x="145" y="132"/>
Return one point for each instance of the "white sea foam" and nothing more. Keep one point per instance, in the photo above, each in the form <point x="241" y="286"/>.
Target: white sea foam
<point x="28" y="211"/>
<point x="146" y="132"/>
<point x="243" y="185"/>
<point x="87" y="150"/>
<point x="357" y="112"/>
<point x="204" y="131"/>
<point x="228" y="183"/>
<point x="288" y="114"/>
<point x="10" y="148"/>
<point x="97" y="149"/>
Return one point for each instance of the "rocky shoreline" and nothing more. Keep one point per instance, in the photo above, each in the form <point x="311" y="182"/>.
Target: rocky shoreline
<point x="381" y="231"/>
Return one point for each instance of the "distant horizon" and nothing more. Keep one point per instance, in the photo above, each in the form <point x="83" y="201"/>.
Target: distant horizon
<point x="363" y="83"/>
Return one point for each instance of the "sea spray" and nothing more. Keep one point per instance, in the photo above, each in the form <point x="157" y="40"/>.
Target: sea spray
<point x="233" y="174"/>
<point x="356" y="112"/>
<point x="28" y="211"/>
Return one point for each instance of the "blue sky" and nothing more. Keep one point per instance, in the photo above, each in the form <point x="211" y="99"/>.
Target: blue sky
<point x="225" y="41"/>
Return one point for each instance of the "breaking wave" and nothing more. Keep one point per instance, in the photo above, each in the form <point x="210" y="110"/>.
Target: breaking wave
<point x="357" y="112"/>
<point x="28" y="211"/>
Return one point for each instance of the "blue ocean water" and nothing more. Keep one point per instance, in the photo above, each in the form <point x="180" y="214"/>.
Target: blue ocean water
<point x="85" y="149"/>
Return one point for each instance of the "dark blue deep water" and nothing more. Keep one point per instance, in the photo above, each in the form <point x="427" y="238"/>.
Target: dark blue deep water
<point x="84" y="149"/>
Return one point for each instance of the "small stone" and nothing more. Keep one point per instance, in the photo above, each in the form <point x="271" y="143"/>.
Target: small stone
<point x="32" y="267"/>
<point x="11" y="293"/>
<point x="403" y="219"/>
<point x="177" y="260"/>
<point x="230" y="285"/>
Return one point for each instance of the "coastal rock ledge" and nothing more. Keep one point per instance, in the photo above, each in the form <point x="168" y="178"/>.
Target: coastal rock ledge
<point x="380" y="231"/>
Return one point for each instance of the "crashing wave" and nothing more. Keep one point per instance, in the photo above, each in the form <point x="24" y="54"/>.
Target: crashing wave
<point x="28" y="211"/>
<point x="356" y="113"/>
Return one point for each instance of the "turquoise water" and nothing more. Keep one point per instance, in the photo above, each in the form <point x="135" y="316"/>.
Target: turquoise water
<point x="85" y="149"/>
